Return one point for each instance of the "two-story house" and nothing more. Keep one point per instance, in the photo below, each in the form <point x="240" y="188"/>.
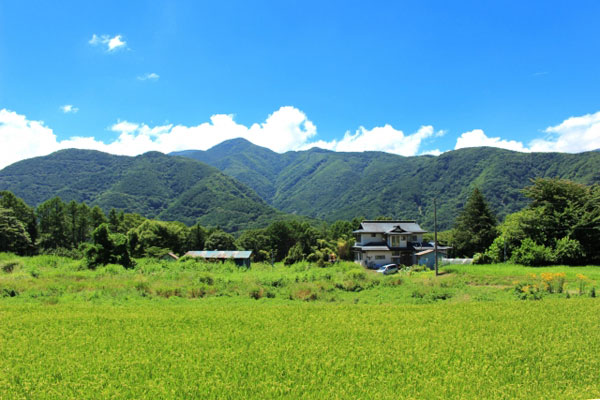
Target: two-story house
<point x="384" y="242"/>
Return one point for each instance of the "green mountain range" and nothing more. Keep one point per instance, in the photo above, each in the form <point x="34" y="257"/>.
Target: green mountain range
<point x="333" y="185"/>
<point x="153" y="184"/>
<point x="244" y="185"/>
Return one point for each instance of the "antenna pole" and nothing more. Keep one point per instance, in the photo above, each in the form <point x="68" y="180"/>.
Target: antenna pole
<point x="435" y="246"/>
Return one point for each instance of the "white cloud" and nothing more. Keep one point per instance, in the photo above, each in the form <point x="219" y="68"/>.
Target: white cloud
<point x="382" y="138"/>
<point x="69" y="109"/>
<point x="477" y="138"/>
<point x="21" y="138"/>
<point x="149" y="77"/>
<point x="286" y="129"/>
<point x="435" y="152"/>
<point x="573" y="135"/>
<point x="111" y="43"/>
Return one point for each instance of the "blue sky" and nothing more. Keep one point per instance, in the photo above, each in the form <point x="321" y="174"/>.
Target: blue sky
<point x="405" y="77"/>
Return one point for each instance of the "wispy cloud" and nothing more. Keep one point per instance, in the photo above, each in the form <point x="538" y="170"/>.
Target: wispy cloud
<point x="69" y="109"/>
<point x="149" y="77"/>
<point x="110" y="43"/>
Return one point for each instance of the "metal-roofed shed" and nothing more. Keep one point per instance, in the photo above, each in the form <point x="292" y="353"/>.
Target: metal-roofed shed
<point x="240" y="257"/>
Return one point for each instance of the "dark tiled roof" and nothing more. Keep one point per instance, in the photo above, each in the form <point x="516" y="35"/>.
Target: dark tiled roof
<point x="407" y="227"/>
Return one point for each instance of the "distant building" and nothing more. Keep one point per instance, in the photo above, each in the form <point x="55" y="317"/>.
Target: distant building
<point x="427" y="257"/>
<point x="169" y="257"/>
<point x="240" y="258"/>
<point x="391" y="242"/>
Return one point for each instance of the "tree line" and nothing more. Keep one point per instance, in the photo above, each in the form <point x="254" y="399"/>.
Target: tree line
<point x="560" y="225"/>
<point x="77" y="230"/>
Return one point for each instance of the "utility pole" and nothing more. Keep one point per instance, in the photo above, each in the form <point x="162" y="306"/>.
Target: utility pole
<point x="435" y="250"/>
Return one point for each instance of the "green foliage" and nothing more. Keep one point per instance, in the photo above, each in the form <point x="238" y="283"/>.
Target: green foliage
<point x="563" y="218"/>
<point x="23" y="213"/>
<point x="294" y="255"/>
<point x="475" y="227"/>
<point x="152" y="185"/>
<point x="220" y="240"/>
<point x="332" y="186"/>
<point x="258" y="242"/>
<point x="52" y="219"/>
<point x="532" y="254"/>
<point x="151" y="235"/>
<point x="107" y="248"/>
<point x="13" y="235"/>
<point x="569" y="251"/>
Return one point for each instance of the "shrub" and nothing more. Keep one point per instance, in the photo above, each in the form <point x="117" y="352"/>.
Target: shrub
<point x="568" y="251"/>
<point x="482" y="258"/>
<point x="8" y="292"/>
<point x="257" y="292"/>
<point x="532" y="254"/>
<point x="143" y="287"/>
<point x="495" y="253"/>
<point x="11" y="265"/>
<point x="294" y="255"/>
<point x="357" y="273"/>
<point x="207" y="278"/>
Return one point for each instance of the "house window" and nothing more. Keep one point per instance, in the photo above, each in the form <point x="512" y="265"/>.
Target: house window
<point x="380" y="257"/>
<point x="396" y="253"/>
<point x="373" y="235"/>
<point x="413" y="238"/>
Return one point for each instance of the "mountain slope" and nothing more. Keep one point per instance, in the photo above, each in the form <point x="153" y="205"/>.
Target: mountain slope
<point x="331" y="185"/>
<point x="153" y="184"/>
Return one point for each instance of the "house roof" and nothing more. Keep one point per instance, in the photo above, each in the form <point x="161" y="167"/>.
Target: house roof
<point x="429" y="245"/>
<point x="220" y="254"/>
<point x="171" y="255"/>
<point x="374" y="248"/>
<point x="406" y="227"/>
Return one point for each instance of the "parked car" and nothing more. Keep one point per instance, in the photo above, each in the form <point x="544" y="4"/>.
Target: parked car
<point x="388" y="269"/>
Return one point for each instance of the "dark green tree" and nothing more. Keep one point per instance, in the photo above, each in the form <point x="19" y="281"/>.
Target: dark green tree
<point x="53" y="224"/>
<point x="97" y="217"/>
<point x="475" y="227"/>
<point x="22" y="212"/>
<point x="155" y="238"/>
<point x="197" y="237"/>
<point x="257" y="241"/>
<point x="107" y="248"/>
<point x="13" y="235"/>
<point x="220" y="240"/>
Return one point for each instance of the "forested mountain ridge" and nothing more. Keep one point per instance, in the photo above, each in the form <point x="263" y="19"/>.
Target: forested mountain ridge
<point x="153" y="184"/>
<point x="254" y="182"/>
<point x="334" y="185"/>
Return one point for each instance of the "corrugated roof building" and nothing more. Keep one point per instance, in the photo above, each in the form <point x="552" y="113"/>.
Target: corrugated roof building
<point x="240" y="257"/>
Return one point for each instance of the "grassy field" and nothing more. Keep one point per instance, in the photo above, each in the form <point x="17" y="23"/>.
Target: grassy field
<point x="194" y="330"/>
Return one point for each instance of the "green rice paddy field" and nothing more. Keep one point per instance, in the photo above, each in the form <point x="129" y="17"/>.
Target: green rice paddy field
<point x="213" y="331"/>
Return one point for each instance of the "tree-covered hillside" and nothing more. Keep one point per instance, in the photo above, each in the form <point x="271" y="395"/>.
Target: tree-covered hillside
<point x="331" y="185"/>
<point x="153" y="185"/>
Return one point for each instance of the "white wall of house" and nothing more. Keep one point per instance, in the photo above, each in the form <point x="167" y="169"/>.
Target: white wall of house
<point x="377" y="257"/>
<point x="365" y="238"/>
